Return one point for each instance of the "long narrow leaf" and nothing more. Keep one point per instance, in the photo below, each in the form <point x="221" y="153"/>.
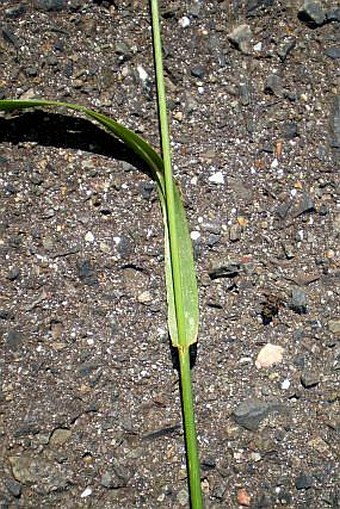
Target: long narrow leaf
<point x="155" y="163"/>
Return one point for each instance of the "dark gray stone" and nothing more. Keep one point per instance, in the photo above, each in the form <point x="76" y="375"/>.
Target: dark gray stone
<point x="13" y="274"/>
<point x="298" y="301"/>
<point x="14" y="487"/>
<point x="306" y="205"/>
<point x="14" y="339"/>
<point x="15" y="11"/>
<point x="335" y="122"/>
<point x="87" y="274"/>
<point x="333" y="53"/>
<point x="230" y="270"/>
<point x="254" y="5"/>
<point x="290" y="130"/>
<point x="310" y="379"/>
<point x="333" y="14"/>
<point x="115" y="477"/>
<point x="245" y="92"/>
<point x="51" y="5"/>
<point x="198" y="71"/>
<point x="273" y="85"/>
<point x="304" y="481"/>
<point x="285" y="49"/>
<point x="312" y="13"/>
<point x="251" y="412"/>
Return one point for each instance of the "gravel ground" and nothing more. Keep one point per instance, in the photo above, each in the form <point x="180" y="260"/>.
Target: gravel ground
<point x="89" y="401"/>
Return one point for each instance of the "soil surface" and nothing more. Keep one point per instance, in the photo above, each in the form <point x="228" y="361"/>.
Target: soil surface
<point x="89" y="401"/>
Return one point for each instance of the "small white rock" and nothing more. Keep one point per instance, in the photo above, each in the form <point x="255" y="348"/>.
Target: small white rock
<point x="195" y="235"/>
<point x="86" y="493"/>
<point x="258" y="46"/>
<point x="143" y="75"/>
<point x="217" y="178"/>
<point x="89" y="237"/>
<point x="285" y="384"/>
<point x="184" y="22"/>
<point x="145" y="297"/>
<point x="269" y="355"/>
<point x="275" y="163"/>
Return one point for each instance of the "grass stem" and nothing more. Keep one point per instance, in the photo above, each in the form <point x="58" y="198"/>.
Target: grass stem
<point x="190" y="430"/>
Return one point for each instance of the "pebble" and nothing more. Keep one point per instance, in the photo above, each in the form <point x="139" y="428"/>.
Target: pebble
<point x="304" y="481"/>
<point x="198" y="71"/>
<point x="50" y="5"/>
<point x="86" y="273"/>
<point x="298" y="301"/>
<point x="243" y="498"/>
<point x="217" y="178"/>
<point x="334" y="326"/>
<point x="310" y="379"/>
<point x="306" y="205"/>
<point x="254" y="5"/>
<point x="250" y="413"/>
<point x="312" y="13"/>
<point x="115" y="477"/>
<point x="184" y="22"/>
<point x="86" y="493"/>
<point x="240" y="37"/>
<point x="245" y="93"/>
<point x="13" y="274"/>
<point x="143" y="75"/>
<point x="145" y="297"/>
<point x="335" y="122"/>
<point x="195" y="235"/>
<point x="285" y="49"/>
<point x="59" y="437"/>
<point x="89" y="237"/>
<point x="14" y="487"/>
<point x="15" y="11"/>
<point x="235" y="232"/>
<point x="14" y="340"/>
<point x="333" y="14"/>
<point x="269" y="355"/>
<point x="273" y="85"/>
<point x="333" y="53"/>
<point x="290" y="131"/>
<point x="218" y="270"/>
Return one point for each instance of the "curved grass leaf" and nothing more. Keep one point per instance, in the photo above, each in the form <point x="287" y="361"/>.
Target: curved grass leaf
<point x="145" y="151"/>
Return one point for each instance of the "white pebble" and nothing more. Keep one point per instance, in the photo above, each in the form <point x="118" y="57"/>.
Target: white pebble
<point x="269" y="355"/>
<point x="184" y="22"/>
<point x="217" y="178"/>
<point x="86" y="493"/>
<point x="275" y="163"/>
<point x="89" y="237"/>
<point x="285" y="384"/>
<point x="143" y="75"/>
<point x="195" y="235"/>
<point x="258" y="46"/>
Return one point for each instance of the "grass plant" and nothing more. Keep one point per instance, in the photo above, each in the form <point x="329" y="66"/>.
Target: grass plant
<point x="181" y="285"/>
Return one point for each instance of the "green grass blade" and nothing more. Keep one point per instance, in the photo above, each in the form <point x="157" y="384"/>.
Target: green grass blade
<point x="180" y="275"/>
<point x="141" y="147"/>
<point x="146" y="152"/>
